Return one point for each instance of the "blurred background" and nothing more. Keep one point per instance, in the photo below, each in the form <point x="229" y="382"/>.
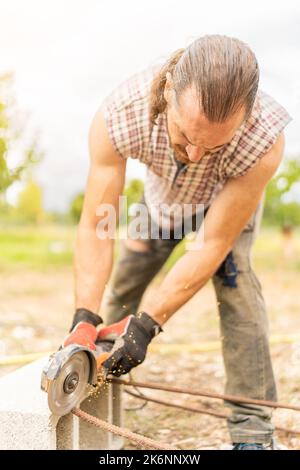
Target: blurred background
<point x="58" y="60"/>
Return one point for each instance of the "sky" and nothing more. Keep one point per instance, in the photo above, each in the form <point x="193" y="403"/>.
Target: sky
<point x="67" y="55"/>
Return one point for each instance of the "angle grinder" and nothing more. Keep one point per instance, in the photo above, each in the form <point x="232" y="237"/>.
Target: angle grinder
<point x="68" y="373"/>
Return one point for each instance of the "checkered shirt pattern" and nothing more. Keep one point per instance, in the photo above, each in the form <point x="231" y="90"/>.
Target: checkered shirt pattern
<point x="126" y="113"/>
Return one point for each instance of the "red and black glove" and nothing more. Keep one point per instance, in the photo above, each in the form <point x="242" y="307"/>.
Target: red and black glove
<point x="132" y="336"/>
<point x="83" y="330"/>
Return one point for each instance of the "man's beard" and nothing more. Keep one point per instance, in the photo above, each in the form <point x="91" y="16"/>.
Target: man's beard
<point x="180" y="154"/>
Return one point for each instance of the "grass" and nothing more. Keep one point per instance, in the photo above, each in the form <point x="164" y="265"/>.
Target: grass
<point x="36" y="247"/>
<point x="47" y="247"/>
<point x="268" y="253"/>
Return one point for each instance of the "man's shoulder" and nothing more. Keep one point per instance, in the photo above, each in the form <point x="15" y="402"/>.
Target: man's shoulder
<point x="133" y="91"/>
<point x="126" y="114"/>
<point x="268" y="114"/>
<point x="256" y="136"/>
<point x="267" y="120"/>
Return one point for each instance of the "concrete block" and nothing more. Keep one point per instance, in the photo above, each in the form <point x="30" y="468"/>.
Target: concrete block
<point x="117" y="442"/>
<point x="105" y="405"/>
<point x="25" y="420"/>
<point x="27" y="423"/>
<point x="67" y="429"/>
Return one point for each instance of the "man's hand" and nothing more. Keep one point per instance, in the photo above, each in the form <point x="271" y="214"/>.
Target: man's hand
<point x="83" y="330"/>
<point x="133" y="335"/>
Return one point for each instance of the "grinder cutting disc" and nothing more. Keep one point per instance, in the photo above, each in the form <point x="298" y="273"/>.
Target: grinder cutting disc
<point x="68" y="388"/>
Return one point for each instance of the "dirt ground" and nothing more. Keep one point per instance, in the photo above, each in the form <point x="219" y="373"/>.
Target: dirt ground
<point x="36" y="310"/>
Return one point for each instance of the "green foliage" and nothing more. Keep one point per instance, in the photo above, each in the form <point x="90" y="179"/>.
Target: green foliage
<point x="133" y="191"/>
<point x="282" y="202"/>
<point x="29" y="208"/>
<point x="11" y="134"/>
<point x="76" y="207"/>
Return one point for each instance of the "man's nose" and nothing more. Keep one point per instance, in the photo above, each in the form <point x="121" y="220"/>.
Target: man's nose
<point x="194" y="153"/>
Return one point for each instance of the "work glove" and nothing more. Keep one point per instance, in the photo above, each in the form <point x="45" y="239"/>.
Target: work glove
<point x="132" y="336"/>
<point x="83" y="330"/>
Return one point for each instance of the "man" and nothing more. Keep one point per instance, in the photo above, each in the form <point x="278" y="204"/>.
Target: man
<point x="207" y="136"/>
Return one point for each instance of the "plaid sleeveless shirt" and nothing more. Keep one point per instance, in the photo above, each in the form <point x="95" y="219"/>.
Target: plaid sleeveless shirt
<point x="126" y="113"/>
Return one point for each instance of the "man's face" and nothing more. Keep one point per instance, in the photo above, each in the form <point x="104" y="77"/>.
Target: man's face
<point x="191" y="135"/>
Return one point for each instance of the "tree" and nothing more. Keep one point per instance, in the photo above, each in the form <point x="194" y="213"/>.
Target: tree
<point x="76" y="207"/>
<point x="29" y="208"/>
<point x="282" y="201"/>
<point x="133" y="191"/>
<point x="12" y="134"/>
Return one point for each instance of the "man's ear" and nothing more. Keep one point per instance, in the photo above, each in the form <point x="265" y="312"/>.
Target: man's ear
<point x="169" y="87"/>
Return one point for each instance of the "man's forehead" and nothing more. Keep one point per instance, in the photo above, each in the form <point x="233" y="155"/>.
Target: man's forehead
<point x="188" y="108"/>
<point x="191" y="119"/>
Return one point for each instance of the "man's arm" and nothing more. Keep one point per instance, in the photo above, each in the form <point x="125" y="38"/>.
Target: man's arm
<point x="225" y="220"/>
<point x="94" y="257"/>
